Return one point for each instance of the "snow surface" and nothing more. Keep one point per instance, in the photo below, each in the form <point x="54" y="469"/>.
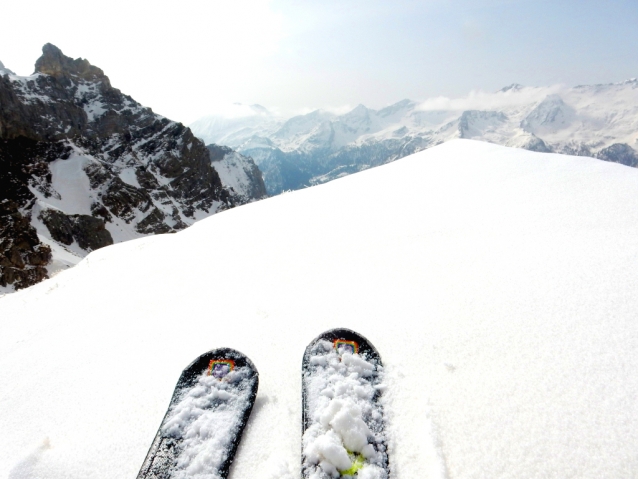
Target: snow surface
<point x="499" y="286"/>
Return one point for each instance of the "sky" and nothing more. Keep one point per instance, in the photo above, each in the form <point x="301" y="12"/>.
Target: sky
<point x="194" y="58"/>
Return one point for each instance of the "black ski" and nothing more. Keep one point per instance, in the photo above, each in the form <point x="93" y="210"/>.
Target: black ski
<point x="207" y="415"/>
<point x="343" y="422"/>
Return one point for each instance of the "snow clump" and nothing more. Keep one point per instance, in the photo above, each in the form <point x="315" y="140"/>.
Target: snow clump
<point x="346" y="420"/>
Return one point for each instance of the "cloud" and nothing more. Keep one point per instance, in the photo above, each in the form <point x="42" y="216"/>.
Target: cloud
<point x="481" y="100"/>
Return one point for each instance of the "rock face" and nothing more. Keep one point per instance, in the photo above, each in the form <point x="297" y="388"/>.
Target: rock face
<point x="84" y="165"/>
<point x="309" y="149"/>
<point x="619" y="153"/>
<point x="238" y="173"/>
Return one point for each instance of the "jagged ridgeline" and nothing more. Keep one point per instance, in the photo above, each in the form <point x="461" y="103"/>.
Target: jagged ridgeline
<point x="293" y="153"/>
<point x="84" y="166"/>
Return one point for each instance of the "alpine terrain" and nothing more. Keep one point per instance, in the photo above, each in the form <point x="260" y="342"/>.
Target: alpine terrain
<point x="589" y="120"/>
<point x="493" y="295"/>
<point x="85" y="166"/>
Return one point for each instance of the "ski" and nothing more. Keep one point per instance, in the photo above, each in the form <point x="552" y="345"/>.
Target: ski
<point x="343" y="422"/>
<point x="206" y="417"/>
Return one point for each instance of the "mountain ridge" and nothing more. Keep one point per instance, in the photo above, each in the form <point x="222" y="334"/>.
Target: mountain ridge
<point x="583" y="120"/>
<point x="86" y="166"/>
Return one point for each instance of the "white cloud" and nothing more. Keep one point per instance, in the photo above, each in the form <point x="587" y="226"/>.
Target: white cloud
<point x="481" y="100"/>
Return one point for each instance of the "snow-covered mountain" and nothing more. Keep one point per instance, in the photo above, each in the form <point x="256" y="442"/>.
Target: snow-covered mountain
<point x="597" y="120"/>
<point x="85" y="166"/>
<point x="238" y="173"/>
<point x="236" y="124"/>
<point x="498" y="285"/>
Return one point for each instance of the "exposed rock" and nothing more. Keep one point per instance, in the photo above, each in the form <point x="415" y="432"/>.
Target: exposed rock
<point x="89" y="232"/>
<point x="619" y="153"/>
<point x="22" y="256"/>
<point x="536" y="144"/>
<point x="54" y="63"/>
<point x="575" y="149"/>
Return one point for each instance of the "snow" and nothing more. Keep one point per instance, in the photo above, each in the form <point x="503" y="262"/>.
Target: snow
<point x="233" y="170"/>
<point x="340" y="389"/>
<point x="88" y="94"/>
<point x="70" y="181"/>
<point x="498" y="285"/>
<point x="236" y="123"/>
<point x="206" y="420"/>
<point x="127" y="175"/>
<point x="595" y="115"/>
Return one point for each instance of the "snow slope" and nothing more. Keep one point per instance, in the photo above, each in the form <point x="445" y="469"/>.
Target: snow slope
<point x="499" y="286"/>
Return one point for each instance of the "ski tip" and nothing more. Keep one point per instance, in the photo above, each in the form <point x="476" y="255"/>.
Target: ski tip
<point x="347" y="340"/>
<point x="216" y="358"/>
<point x="217" y="362"/>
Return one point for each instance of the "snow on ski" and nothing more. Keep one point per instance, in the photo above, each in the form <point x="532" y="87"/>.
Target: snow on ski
<point x="343" y="423"/>
<point x="206" y="417"/>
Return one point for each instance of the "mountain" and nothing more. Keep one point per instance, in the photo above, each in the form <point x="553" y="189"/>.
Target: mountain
<point x="238" y="173"/>
<point x="85" y="166"/>
<point x="238" y="122"/>
<point x="498" y="285"/>
<point x="597" y="120"/>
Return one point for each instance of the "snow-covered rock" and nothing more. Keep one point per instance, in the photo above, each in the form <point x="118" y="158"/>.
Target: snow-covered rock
<point x="84" y="166"/>
<point x="239" y="174"/>
<point x="320" y="146"/>
<point x="498" y="285"/>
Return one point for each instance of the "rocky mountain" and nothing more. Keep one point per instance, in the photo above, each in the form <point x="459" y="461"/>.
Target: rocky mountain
<point x="238" y="173"/>
<point x="84" y="166"/>
<point x="595" y="120"/>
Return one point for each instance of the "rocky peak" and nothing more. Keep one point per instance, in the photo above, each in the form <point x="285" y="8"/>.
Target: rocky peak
<point x="84" y="166"/>
<point x="54" y="63"/>
<point x="551" y="113"/>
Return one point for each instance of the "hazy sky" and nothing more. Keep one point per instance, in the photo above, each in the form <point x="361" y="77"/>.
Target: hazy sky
<point x="191" y="58"/>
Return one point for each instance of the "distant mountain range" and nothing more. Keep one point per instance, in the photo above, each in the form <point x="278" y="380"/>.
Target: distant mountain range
<point x="85" y="166"/>
<point x="292" y="153"/>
